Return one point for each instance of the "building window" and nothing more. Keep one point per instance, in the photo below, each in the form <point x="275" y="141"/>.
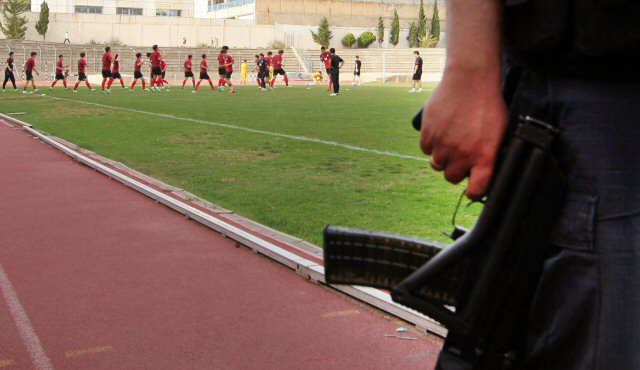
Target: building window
<point x="211" y="4"/>
<point x="214" y="5"/>
<point x="129" y="11"/>
<point x="168" y="13"/>
<point x="89" y="9"/>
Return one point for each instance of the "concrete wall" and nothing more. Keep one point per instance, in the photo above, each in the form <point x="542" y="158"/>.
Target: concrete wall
<point x="164" y="31"/>
<point x="300" y="36"/>
<point x="168" y="31"/>
<point x="343" y="13"/>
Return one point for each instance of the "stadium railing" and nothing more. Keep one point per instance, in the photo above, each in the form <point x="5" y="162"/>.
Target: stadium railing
<point x="384" y="65"/>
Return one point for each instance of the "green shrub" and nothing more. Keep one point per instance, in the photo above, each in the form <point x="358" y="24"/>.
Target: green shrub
<point x="276" y="45"/>
<point x="366" y="39"/>
<point x="349" y="40"/>
<point x="115" y="42"/>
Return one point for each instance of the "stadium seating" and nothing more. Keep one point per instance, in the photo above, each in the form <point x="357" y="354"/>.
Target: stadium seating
<point x="389" y="65"/>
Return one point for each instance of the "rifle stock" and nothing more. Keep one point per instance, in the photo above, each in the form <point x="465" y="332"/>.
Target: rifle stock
<point x="481" y="286"/>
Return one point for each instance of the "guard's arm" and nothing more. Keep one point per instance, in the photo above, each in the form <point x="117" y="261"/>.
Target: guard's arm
<point x="465" y="118"/>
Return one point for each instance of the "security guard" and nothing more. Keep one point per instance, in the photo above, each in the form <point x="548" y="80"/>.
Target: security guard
<point x="574" y="64"/>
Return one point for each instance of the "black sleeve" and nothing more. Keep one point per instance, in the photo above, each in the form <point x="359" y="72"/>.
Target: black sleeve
<point x="339" y="59"/>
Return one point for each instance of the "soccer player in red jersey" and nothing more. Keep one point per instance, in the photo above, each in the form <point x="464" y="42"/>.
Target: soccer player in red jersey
<point x="106" y="68"/>
<point x="222" y="69"/>
<point x="325" y="57"/>
<point x="163" y="67"/>
<point x="60" y="70"/>
<point x="29" y="68"/>
<point x="137" y="72"/>
<point x="156" y="70"/>
<point x="188" y="71"/>
<point x="115" y="73"/>
<point x="82" y="73"/>
<point x="229" y="71"/>
<point x="278" y="69"/>
<point x="204" y="73"/>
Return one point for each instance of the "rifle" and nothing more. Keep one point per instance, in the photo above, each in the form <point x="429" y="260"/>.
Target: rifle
<point x="480" y="287"/>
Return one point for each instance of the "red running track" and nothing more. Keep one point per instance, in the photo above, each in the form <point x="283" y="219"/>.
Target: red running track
<point x="111" y="280"/>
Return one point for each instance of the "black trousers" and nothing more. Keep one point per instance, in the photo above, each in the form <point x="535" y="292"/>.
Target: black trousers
<point x="8" y="75"/>
<point x="335" y="80"/>
<point x="586" y="312"/>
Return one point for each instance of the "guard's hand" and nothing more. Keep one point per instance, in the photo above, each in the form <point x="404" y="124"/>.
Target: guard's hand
<point x="462" y="127"/>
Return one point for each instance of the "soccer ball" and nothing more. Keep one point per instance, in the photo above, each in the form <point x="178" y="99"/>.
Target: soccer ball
<point x="43" y="94"/>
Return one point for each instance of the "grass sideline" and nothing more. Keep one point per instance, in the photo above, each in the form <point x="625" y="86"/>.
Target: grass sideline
<point x="294" y="186"/>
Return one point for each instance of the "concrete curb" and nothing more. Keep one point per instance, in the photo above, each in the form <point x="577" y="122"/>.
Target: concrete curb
<point x="297" y="262"/>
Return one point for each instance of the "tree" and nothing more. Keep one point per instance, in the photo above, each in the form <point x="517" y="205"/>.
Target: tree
<point x="380" y="31"/>
<point x="348" y="40"/>
<point x="422" y="23"/>
<point x="413" y="35"/>
<point x="14" y="26"/>
<point x="43" y="23"/>
<point x="324" y="35"/>
<point x="366" y="39"/>
<point x="394" y="38"/>
<point x="435" y="23"/>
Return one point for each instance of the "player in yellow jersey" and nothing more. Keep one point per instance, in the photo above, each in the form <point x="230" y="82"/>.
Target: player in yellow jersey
<point x="317" y="78"/>
<point x="243" y="69"/>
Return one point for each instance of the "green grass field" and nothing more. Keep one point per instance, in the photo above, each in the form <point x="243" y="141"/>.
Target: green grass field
<point x="292" y="184"/>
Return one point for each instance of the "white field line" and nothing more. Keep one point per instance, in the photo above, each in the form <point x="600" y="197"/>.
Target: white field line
<point x="28" y="335"/>
<point x="252" y="130"/>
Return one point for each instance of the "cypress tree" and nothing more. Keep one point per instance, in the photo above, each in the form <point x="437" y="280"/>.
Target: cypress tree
<point x="435" y="22"/>
<point x="380" y="31"/>
<point x="43" y="23"/>
<point x="324" y="35"/>
<point x="413" y="36"/>
<point x="395" y="29"/>
<point x="422" y="23"/>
